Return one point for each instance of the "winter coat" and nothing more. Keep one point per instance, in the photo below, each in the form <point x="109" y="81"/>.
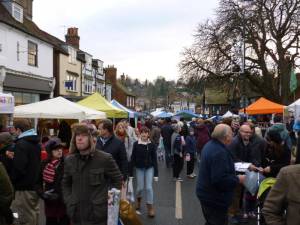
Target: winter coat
<point x="7" y="162"/>
<point x="281" y="128"/>
<point x="117" y="149"/>
<point x="53" y="208"/>
<point x="275" y="162"/>
<point x="190" y="144"/>
<point x="85" y="185"/>
<point x="6" y="196"/>
<point x="143" y="157"/>
<point x="284" y="195"/>
<point x="166" y="133"/>
<point x="202" y="135"/>
<point x="176" y="145"/>
<point x="252" y="152"/>
<point x="26" y="162"/>
<point x="216" y="179"/>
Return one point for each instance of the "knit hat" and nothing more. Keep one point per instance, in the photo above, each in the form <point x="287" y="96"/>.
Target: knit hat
<point x="6" y="138"/>
<point x="274" y="136"/>
<point x="53" y="144"/>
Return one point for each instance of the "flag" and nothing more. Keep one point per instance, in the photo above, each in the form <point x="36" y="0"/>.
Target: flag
<point x="293" y="81"/>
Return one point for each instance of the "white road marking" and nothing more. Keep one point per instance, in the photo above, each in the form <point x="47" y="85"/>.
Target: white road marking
<point x="178" y="201"/>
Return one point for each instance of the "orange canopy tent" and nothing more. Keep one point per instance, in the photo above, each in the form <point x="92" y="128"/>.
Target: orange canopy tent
<point x="263" y="106"/>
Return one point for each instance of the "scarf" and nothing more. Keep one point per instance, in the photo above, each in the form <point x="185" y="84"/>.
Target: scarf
<point x="49" y="171"/>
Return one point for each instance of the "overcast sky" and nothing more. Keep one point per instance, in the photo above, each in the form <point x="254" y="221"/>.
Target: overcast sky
<point x="142" y="38"/>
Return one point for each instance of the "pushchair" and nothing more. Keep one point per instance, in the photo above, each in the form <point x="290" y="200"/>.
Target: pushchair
<point x="264" y="188"/>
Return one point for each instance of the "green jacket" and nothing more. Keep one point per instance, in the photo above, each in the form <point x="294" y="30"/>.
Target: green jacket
<point x="284" y="196"/>
<point x="6" y="193"/>
<point x="85" y="186"/>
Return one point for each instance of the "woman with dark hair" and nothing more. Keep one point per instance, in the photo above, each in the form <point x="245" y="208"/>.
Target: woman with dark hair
<point x="276" y="155"/>
<point x="144" y="160"/>
<point x="51" y="177"/>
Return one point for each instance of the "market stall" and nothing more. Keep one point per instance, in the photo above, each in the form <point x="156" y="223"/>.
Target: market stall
<point x="57" y="108"/>
<point x="7" y="104"/>
<point x="263" y="106"/>
<point x="97" y="102"/>
<point x="131" y="113"/>
<point x="186" y="114"/>
<point x="229" y="114"/>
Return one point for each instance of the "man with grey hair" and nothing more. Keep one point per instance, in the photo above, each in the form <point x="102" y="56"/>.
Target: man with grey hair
<point x="217" y="179"/>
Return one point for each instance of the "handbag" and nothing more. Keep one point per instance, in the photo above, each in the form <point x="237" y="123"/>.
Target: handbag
<point x="128" y="214"/>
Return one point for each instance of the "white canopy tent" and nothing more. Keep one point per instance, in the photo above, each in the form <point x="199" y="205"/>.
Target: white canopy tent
<point x="57" y="108"/>
<point x="229" y="114"/>
<point x="295" y="108"/>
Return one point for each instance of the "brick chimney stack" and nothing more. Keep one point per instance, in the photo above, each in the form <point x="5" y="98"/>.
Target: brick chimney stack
<point x="72" y="37"/>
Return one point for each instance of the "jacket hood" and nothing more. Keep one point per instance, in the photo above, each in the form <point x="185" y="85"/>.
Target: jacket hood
<point x="278" y="127"/>
<point x="33" y="138"/>
<point x="80" y="128"/>
<point x="27" y="133"/>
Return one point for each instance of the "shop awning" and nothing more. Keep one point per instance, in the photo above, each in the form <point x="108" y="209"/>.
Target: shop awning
<point x="97" y="102"/>
<point x="263" y="106"/>
<point x="57" y="108"/>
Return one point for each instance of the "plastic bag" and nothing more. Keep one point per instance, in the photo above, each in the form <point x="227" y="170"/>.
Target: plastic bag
<point x="113" y="207"/>
<point x="130" y="193"/>
<point x="252" y="181"/>
<point x="187" y="157"/>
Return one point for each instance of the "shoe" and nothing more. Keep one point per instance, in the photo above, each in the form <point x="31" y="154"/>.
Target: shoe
<point x="190" y="176"/>
<point x="138" y="203"/>
<point x="150" y="210"/>
<point x="194" y="175"/>
<point x="179" y="179"/>
<point x="233" y="220"/>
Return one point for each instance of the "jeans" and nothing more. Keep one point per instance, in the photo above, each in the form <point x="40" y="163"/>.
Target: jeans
<point x="145" y="175"/>
<point x="214" y="216"/>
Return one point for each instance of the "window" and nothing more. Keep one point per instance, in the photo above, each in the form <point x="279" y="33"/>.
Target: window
<point x="88" y="86"/>
<point x="32" y="54"/>
<point x="71" y="82"/>
<point x="72" y="55"/>
<point x="25" y="98"/>
<point x="17" y="12"/>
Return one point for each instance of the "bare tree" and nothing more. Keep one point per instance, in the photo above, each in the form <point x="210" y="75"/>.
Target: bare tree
<point x="270" y="29"/>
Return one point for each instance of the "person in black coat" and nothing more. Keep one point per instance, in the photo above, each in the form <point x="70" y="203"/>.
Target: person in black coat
<point x="109" y="143"/>
<point x="166" y="133"/>
<point x="6" y="151"/>
<point x="144" y="160"/>
<point x="276" y="156"/>
<point x="51" y="176"/>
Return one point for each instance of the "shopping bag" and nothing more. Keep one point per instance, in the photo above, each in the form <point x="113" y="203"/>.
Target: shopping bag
<point x="252" y="181"/>
<point x="130" y="193"/>
<point x="187" y="157"/>
<point x="113" y="206"/>
<point x="128" y="214"/>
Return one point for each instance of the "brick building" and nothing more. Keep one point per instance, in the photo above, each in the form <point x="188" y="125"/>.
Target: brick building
<point x="119" y="91"/>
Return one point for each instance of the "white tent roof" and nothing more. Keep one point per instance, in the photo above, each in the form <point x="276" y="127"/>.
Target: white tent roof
<point x="57" y="108"/>
<point x="229" y="114"/>
<point x="297" y="102"/>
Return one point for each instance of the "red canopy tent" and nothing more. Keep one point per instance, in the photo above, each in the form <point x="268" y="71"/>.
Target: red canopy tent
<point x="263" y="106"/>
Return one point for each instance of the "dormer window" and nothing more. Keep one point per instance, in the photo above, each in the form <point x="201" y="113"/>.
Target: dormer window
<point x="17" y="12"/>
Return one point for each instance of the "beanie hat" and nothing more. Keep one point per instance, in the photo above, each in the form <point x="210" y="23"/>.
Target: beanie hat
<point x="53" y="144"/>
<point x="274" y="136"/>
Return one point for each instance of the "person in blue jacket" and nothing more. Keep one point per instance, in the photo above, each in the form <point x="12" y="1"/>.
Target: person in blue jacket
<point x="217" y="179"/>
<point x="190" y="151"/>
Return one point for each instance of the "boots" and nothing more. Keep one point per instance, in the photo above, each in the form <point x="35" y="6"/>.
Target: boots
<point x="150" y="210"/>
<point x="138" y="203"/>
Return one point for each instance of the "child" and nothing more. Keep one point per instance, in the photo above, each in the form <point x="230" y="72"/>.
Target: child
<point x="190" y="149"/>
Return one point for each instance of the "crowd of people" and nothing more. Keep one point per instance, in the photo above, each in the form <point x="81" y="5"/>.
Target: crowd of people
<point x="73" y="171"/>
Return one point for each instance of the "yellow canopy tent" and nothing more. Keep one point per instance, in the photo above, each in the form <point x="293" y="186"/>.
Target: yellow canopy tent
<point x="263" y="106"/>
<point x="97" y="102"/>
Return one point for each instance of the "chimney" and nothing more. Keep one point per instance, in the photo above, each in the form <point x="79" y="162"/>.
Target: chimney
<point x="72" y="37"/>
<point x="28" y="9"/>
<point x="111" y="74"/>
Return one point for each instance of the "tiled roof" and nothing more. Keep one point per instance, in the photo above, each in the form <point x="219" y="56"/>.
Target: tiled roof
<point x="31" y="28"/>
<point x="124" y="89"/>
